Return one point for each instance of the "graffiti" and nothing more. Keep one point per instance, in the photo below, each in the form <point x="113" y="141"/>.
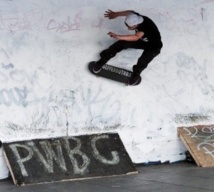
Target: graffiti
<point x="7" y="66"/>
<point x="180" y="25"/>
<point x="204" y="135"/>
<point x="74" y="110"/>
<point x="97" y="24"/>
<point x="72" y="24"/>
<point x="65" y="26"/>
<point x="60" y="105"/>
<point x="21" y="22"/>
<point x="24" y="84"/>
<point x="18" y="96"/>
<point x="10" y="74"/>
<point x="188" y="65"/>
<point x="68" y="25"/>
<point x="54" y="153"/>
<point x="75" y="107"/>
<point x="29" y="20"/>
<point x="84" y="101"/>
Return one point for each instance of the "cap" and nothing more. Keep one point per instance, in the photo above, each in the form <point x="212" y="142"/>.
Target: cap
<point x="133" y="19"/>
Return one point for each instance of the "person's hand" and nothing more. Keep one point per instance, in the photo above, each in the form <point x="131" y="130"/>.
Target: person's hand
<point x="110" y="14"/>
<point x="113" y="35"/>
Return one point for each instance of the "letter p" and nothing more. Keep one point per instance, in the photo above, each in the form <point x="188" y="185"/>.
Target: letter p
<point x="20" y="160"/>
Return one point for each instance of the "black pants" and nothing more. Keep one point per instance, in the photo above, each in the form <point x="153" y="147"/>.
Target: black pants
<point x="149" y="53"/>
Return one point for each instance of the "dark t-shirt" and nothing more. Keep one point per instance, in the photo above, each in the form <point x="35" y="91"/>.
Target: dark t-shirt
<point x="151" y="35"/>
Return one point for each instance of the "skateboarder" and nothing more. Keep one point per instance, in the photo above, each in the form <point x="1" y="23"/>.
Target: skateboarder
<point x="147" y="37"/>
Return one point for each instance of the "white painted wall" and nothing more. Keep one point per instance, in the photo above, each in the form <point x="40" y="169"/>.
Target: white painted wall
<point x="47" y="91"/>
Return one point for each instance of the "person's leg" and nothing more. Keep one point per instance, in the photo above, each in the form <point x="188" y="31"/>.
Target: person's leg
<point x="109" y="53"/>
<point x="143" y="61"/>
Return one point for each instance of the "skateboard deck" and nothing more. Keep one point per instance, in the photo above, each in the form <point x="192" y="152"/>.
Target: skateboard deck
<point x="113" y="73"/>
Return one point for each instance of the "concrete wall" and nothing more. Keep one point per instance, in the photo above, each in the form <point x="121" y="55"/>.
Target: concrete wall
<point x="47" y="91"/>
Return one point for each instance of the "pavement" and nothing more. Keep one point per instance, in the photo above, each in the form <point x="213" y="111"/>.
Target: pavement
<point x="176" y="177"/>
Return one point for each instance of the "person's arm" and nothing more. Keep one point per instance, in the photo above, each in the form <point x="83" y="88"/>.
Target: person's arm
<point x="112" y="14"/>
<point x="134" y="37"/>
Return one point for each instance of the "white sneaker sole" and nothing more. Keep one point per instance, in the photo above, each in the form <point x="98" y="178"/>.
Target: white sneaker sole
<point x="136" y="82"/>
<point x="96" y="71"/>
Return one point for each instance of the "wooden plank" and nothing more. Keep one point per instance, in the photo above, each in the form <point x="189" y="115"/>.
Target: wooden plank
<point x="66" y="159"/>
<point x="190" y="150"/>
<point x="199" y="141"/>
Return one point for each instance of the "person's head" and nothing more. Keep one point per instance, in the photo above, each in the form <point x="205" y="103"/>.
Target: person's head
<point x="133" y="20"/>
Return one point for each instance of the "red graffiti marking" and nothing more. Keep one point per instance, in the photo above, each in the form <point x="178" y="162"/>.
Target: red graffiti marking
<point x="67" y="25"/>
<point x="98" y="24"/>
<point x="63" y="27"/>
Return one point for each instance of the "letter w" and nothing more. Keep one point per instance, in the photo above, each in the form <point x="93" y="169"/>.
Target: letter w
<point x="50" y="155"/>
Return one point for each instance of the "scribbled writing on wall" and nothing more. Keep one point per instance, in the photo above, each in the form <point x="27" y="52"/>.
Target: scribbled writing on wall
<point x="22" y="85"/>
<point x="34" y="19"/>
<point x="16" y="95"/>
<point x="25" y="88"/>
<point x="70" y="24"/>
<point x="204" y="136"/>
<point x="186" y="65"/>
<point x="182" y="25"/>
<point x="22" y="21"/>
<point x="64" y="26"/>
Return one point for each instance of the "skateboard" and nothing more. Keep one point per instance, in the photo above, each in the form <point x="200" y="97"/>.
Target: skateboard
<point x="113" y="73"/>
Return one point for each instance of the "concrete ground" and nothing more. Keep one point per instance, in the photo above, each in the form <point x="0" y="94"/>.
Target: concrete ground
<point x="177" y="177"/>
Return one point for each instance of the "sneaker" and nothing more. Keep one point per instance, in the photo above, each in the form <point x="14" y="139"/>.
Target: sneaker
<point x="97" y="68"/>
<point x="134" y="79"/>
